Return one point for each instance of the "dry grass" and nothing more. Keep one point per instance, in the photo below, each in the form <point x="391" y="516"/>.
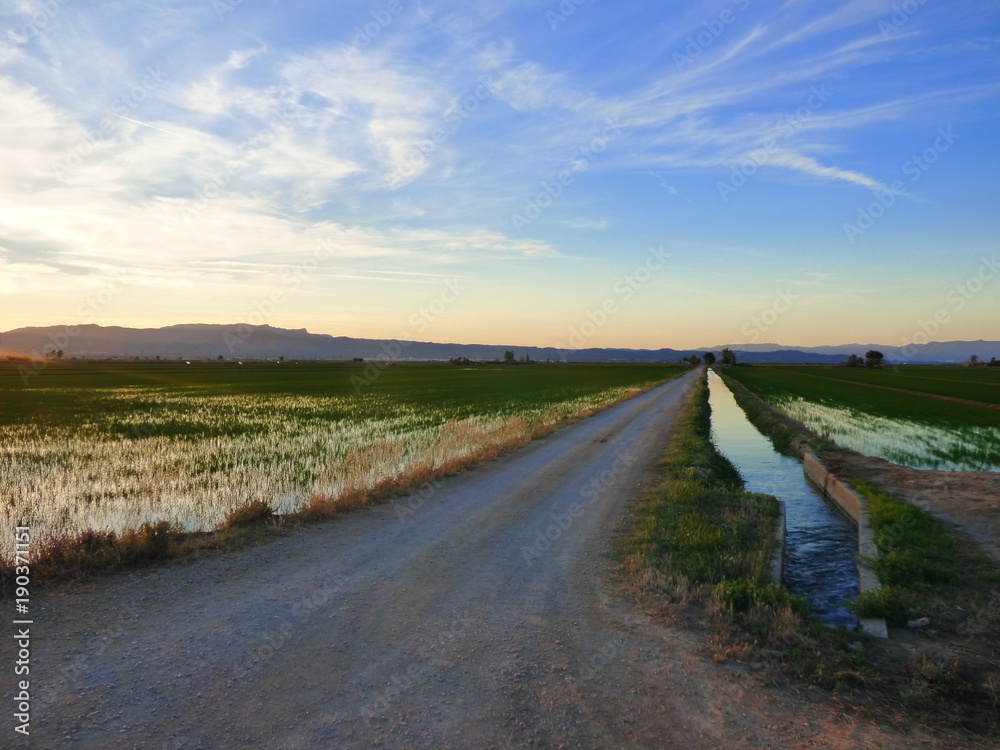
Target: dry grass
<point x="252" y="512"/>
<point x="362" y="476"/>
<point x="95" y="551"/>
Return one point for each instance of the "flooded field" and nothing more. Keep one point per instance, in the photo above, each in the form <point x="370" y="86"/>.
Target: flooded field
<point x="109" y="448"/>
<point x="915" y="444"/>
<point x="942" y="418"/>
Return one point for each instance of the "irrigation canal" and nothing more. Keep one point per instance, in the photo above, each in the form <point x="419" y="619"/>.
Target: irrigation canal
<point x="820" y="542"/>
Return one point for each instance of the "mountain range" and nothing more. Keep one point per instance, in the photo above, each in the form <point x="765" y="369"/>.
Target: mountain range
<point x="235" y="341"/>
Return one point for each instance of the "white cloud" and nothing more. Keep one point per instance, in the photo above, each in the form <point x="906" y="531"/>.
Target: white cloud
<point x="810" y="166"/>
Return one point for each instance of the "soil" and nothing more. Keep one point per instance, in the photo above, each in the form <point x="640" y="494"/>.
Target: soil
<point x="476" y="613"/>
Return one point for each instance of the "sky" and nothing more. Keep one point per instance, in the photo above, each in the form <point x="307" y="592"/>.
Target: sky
<point x="574" y="174"/>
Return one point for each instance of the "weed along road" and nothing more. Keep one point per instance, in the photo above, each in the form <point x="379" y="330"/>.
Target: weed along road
<point x="474" y="614"/>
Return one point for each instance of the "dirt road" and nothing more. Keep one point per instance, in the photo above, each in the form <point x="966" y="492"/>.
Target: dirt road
<point x="476" y="614"/>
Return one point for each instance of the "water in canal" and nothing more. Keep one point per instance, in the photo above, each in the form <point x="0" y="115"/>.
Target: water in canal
<point x="821" y="543"/>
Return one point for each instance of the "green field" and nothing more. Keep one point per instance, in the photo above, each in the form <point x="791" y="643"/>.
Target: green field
<point x="972" y="384"/>
<point x="109" y="446"/>
<point x="907" y="428"/>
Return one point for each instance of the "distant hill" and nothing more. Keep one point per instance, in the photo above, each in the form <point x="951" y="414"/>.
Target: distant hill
<point x="204" y="341"/>
<point x="936" y="352"/>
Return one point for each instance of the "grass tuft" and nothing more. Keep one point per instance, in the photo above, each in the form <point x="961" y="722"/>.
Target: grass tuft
<point x="249" y="513"/>
<point x="105" y="551"/>
<point x="885" y="603"/>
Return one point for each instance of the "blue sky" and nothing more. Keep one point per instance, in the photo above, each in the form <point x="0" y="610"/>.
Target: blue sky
<point x="528" y="172"/>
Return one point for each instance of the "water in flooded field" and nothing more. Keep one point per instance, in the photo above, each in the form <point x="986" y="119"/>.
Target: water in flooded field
<point x="821" y="543"/>
<point x="915" y="444"/>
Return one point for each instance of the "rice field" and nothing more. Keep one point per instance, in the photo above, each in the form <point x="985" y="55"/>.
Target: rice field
<point x="913" y="429"/>
<point x="108" y="447"/>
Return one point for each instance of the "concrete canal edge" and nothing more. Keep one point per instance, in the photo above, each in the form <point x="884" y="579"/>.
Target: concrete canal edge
<point x="854" y="507"/>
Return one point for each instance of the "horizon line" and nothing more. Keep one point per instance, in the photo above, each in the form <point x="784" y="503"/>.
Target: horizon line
<point x="733" y="346"/>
